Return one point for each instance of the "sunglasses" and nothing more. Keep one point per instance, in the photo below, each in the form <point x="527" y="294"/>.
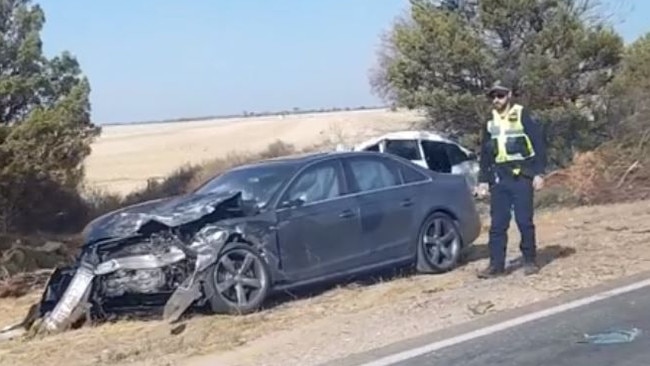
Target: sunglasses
<point x="498" y="95"/>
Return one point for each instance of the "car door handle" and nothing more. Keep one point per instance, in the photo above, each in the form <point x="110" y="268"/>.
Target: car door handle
<point x="346" y="214"/>
<point x="407" y="202"/>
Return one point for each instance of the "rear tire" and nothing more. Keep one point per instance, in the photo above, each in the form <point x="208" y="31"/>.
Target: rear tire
<point x="439" y="245"/>
<point x="239" y="281"/>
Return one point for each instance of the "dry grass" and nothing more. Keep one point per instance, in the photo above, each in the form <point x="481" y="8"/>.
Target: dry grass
<point x="124" y="157"/>
<point x="584" y="247"/>
<point x="611" y="173"/>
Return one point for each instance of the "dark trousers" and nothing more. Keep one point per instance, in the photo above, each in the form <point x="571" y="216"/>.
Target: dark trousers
<point x="508" y="193"/>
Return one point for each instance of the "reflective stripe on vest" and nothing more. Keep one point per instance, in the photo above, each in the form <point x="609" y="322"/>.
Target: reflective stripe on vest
<point x="510" y="142"/>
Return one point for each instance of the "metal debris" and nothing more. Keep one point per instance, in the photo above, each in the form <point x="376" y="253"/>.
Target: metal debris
<point x="481" y="307"/>
<point x="612" y="336"/>
<point x="12" y="332"/>
<point x="178" y="329"/>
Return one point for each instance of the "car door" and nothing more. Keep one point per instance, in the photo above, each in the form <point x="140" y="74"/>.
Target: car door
<point x="387" y="210"/>
<point x="319" y="227"/>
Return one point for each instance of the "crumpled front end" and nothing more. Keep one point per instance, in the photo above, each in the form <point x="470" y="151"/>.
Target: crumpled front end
<point x="158" y="267"/>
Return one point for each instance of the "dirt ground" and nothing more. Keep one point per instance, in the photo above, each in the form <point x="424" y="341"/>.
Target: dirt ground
<point x="125" y="156"/>
<point x="580" y="248"/>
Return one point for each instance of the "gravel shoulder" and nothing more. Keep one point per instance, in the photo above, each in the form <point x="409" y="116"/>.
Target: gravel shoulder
<point x="582" y="247"/>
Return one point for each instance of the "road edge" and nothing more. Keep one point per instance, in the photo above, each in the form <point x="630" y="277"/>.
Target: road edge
<point x="409" y="344"/>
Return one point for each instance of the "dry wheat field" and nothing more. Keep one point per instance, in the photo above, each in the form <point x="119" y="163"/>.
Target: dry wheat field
<point x="125" y="156"/>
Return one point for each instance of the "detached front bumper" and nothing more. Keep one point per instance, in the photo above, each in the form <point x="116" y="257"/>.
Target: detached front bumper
<point x="73" y="290"/>
<point x="55" y="286"/>
<point x="56" y="289"/>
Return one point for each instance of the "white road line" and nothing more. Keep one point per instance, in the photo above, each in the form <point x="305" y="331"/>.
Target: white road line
<point x="415" y="352"/>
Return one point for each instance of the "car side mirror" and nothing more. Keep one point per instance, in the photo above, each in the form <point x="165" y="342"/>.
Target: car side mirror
<point x="294" y="203"/>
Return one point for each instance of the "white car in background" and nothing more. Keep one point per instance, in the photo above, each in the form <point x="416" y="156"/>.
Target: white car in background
<point x="429" y="150"/>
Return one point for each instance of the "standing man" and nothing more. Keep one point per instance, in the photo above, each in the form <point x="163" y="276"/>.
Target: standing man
<point x="512" y="165"/>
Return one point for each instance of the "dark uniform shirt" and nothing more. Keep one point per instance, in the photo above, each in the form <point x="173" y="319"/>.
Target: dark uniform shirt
<point x="529" y="168"/>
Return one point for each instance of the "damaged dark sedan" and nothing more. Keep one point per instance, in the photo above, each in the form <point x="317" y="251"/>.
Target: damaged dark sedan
<point x="262" y="228"/>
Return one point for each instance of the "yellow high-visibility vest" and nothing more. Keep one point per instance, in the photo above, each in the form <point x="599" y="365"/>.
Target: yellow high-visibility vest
<point x="509" y="141"/>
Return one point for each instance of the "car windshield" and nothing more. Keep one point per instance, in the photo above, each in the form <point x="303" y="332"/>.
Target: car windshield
<point x="257" y="184"/>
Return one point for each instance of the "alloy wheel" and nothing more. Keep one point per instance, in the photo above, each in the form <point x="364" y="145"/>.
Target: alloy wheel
<point x="441" y="243"/>
<point x="240" y="278"/>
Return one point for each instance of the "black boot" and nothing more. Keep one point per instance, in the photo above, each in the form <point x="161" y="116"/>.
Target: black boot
<point x="491" y="272"/>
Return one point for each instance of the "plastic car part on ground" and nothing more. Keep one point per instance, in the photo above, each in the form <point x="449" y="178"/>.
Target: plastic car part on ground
<point x="612" y="336"/>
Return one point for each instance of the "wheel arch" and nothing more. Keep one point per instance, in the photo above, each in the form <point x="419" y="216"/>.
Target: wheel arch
<point x="443" y="210"/>
<point x="235" y="237"/>
<point x="272" y="261"/>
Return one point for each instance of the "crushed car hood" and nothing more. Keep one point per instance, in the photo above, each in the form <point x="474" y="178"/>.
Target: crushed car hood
<point x="171" y="212"/>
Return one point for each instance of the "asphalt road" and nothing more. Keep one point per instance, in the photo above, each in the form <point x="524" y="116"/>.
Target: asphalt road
<point x="554" y="340"/>
<point x="546" y="333"/>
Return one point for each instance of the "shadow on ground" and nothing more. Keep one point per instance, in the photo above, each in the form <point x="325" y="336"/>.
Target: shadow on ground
<point x="366" y="280"/>
<point x="545" y="255"/>
<point x="287" y="297"/>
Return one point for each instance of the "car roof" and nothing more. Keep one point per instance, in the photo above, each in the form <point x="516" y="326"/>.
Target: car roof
<point x="305" y="158"/>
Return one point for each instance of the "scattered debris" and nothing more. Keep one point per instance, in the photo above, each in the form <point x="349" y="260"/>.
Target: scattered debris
<point x="621" y="228"/>
<point x="625" y="228"/>
<point x="481" y="308"/>
<point x="178" y="329"/>
<point x="612" y="336"/>
<point x="12" y="332"/>
<point x="430" y="291"/>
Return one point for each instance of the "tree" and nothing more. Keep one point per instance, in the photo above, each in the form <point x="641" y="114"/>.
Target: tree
<point x="443" y="56"/>
<point x="628" y="94"/>
<point x="45" y="126"/>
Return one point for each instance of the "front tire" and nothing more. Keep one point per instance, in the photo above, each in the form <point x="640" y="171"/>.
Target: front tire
<point x="439" y="244"/>
<point x="239" y="281"/>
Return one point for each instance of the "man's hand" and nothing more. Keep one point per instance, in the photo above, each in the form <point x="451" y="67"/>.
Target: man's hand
<point x="538" y="182"/>
<point x="482" y="190"/>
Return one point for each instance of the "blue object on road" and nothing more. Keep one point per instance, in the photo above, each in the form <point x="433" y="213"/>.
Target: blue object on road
<point x="613" y="336"/>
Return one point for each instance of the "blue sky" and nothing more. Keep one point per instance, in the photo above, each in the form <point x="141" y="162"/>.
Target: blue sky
<point x="160" y="59"/>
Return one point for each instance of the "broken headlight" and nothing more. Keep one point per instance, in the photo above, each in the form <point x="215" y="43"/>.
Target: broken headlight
<point x="209" y="236"/>
<point x="206" y="243"/>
